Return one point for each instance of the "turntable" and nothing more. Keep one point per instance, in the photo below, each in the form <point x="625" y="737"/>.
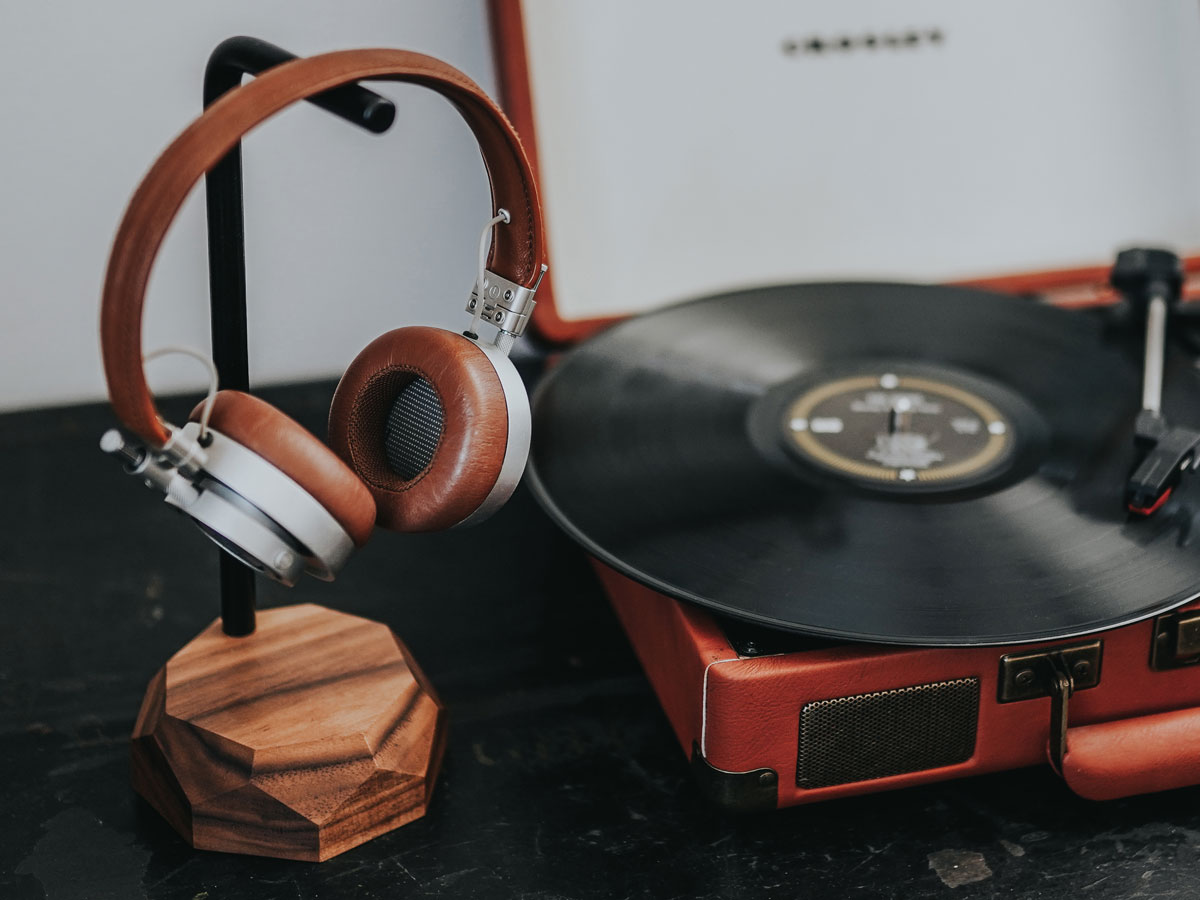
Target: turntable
<point x="863" y="534"/>
<point x="861" y="465"/>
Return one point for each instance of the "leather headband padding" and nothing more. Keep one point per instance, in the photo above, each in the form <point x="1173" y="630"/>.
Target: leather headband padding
<point x="518" y="249"/>
<point x="296" y="452"/>
<point x="470" y="454"/>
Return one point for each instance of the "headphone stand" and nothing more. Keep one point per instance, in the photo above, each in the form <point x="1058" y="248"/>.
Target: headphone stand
<point x="312" y="735"/>
<point x="229" y="60"/>
<point x="315" y="731"/>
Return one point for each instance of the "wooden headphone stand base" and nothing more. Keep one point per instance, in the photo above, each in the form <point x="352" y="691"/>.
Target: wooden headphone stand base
<point x="308" y="737"/>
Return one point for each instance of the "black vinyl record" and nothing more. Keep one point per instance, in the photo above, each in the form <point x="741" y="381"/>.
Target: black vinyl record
<point x="876" y="462"/>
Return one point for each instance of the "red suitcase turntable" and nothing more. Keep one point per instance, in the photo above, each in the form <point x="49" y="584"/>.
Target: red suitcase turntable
<point x="861" y="535"/>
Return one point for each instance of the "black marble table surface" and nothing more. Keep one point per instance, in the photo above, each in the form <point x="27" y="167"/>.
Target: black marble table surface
<point x="562" y="778"/>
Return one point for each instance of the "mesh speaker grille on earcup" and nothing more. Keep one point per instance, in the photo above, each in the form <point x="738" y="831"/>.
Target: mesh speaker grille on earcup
<point x="413" y="429"/>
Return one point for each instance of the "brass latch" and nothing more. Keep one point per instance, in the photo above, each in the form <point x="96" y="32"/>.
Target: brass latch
<point x="1176" y="640"/>
<point x="1056" y="672"/>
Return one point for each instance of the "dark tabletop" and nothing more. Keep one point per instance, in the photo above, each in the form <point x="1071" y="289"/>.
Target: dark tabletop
<point x="562" y="776"/>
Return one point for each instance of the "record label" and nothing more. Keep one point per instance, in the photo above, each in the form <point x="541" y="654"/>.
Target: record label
<point x="899" y="430"/>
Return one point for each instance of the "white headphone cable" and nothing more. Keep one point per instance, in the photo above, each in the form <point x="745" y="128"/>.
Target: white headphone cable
<point x="481" y="280"/>
<point x="213" y="379"/>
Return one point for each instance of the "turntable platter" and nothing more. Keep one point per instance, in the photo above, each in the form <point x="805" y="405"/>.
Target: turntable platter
<point x="876" y="462"/>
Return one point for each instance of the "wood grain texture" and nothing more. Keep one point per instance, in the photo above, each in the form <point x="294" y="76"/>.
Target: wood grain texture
<point x="314" y="734"/>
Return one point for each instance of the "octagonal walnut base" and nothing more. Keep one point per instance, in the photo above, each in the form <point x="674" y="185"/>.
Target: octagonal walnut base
<point x="312" y="735"/>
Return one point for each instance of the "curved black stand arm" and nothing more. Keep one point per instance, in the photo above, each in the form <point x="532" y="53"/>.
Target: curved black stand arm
<point x="230" y="60"/>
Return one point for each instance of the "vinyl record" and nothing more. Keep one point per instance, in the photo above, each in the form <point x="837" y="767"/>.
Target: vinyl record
<point x="876" y="462"/>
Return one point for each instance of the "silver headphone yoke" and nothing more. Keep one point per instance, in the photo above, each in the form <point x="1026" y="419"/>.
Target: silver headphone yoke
<point x="243" y="503"/>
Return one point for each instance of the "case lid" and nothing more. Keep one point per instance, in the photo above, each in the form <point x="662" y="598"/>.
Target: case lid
<point x="687" y="150"/>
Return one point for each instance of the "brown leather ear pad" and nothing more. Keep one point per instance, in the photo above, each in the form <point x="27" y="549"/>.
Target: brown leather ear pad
<point x="295" y="451"/>
<point x="467" y="460"/>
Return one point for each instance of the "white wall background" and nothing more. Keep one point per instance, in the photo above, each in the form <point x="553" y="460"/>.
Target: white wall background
<point x="680" y="155"/>
<point x="691" y="154"/>
<point x="348" y="233"/>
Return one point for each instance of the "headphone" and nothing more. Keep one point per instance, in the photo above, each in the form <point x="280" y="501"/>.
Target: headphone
<point x="428" y="429"/>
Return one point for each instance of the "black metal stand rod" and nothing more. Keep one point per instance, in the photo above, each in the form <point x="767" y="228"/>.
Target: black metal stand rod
<point x="229" y="61"/>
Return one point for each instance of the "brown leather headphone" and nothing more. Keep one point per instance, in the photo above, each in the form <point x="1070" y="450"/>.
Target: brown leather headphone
<point x="428" y="428"/>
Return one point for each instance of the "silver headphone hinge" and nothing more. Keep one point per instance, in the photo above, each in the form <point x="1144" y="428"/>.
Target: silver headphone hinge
<point x="156" y="470"/>
<point x="506" y="304"/>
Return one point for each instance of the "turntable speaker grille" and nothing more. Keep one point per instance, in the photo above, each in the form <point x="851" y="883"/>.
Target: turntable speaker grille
<point x="857" y="738"/>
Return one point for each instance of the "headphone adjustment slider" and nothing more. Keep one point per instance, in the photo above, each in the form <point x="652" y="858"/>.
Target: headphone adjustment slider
<point x="506" y="304"/>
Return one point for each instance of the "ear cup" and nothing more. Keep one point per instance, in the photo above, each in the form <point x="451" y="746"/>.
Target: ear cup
<point x="422" y="417"/>
<point x="291" y="448"/>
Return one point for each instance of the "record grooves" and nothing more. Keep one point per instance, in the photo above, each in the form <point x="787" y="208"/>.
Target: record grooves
<point x="875" y="462"/>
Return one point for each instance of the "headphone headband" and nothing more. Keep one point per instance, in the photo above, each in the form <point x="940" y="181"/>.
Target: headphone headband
<point x="518" y="251"/>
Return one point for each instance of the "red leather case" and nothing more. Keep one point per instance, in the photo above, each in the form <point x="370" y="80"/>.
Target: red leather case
<point x="739" y="716"/>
